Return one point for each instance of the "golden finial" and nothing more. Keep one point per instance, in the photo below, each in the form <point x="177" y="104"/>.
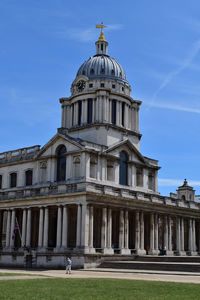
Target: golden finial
<point x="101" y="37"/>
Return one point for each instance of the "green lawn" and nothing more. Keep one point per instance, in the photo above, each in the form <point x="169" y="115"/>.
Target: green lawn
<point x="96" y="289"/>
<point x="13" y="274"/>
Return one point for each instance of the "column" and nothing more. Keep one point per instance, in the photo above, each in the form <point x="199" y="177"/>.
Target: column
<point x="84" y="228"/>
<point x="116" y="170"/>
<point x="170" y="234"/>
<point x="12" y="228"/>
<point x="23" y="242"/>
<point x="8" y="228"/>
<point x="182" y="235"/>
<point x="104" y="228"/>
<point x="99" y="166"/>
<point x="78" y="228"/>
<point x="46" y="227"/>
<point x="156" y="233"/>
<point x="152" y="233"/>
<point x="121" y="230"/>
<point x="91" y="225"/>
<point x="28" y="228"/>
<point x="41" y="224"/>
<point x="141" y="230"/>
<point x="133" y="181"/>
<point x="118" y="113"/>
<point x="109" y="231"/>
<point x="165" y="233"/>
<point x="126" y="249"/>
<point x="178" y="234"/>
<point x="59" y="227"/>
<point x="64" y="227"/>
<point x="194" y="235"/>
<point x="137" y="231"/>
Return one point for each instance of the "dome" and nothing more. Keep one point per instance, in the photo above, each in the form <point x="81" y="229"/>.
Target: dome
<point x="102" y="66"/>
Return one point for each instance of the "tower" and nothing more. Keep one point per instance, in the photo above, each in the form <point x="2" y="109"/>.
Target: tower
<point x="100" y="108"/>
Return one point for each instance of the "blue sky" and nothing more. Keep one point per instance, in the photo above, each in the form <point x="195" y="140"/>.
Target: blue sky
<point x="43" y="43"/>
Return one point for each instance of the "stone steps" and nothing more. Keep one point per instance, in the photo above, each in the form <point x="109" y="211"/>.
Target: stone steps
<point x="174" y="264"/>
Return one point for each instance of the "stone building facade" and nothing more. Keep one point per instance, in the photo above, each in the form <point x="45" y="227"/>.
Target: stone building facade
<point x="89" y="192"/>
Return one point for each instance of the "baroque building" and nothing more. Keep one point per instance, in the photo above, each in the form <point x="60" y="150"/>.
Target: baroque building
<point x="89" y="192"/>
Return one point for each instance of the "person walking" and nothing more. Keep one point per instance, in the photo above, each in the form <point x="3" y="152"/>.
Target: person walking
<point x="68" y="265"/>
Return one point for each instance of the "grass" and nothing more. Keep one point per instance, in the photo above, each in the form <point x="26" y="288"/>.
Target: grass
<point x="96" y="289"/>
<point x="14" y="274"/>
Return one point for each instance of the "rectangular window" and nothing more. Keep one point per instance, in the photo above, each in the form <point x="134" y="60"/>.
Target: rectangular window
<point x="139" y="177"/>
<point x="79" y="112"/>
<point x="102" y="85"/>
<point x="113" y="86"/>
<point x="0" y="182"/>
<point x="29" y="177"/>
<point x="89" y="111"/>
<point x="151" y="181"/>
<point x="90" y="85"/>
<point x="114" y="106"/>
<point x="13" y="180"/>
<point x="123" y="113"/>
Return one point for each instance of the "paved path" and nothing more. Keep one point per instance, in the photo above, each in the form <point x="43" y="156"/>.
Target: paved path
<point x="108" y="273"/>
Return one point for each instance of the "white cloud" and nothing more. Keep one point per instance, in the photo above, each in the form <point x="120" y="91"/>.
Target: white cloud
<point x="186" y="63"/>
<point x="170" y="106"/>
<point x="85" y="35"/>
<point x="176" y="182"/>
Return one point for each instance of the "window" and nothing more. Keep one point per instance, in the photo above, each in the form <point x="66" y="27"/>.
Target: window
<point x="151" y="181"/>
<point x="139" y="177"/>
<point x="0" y="182"/>
<point x="13" y="180"/>
<point x="113" y="86"/>
<point x="122" y="89"/>
<point x="89" y="111"/>
<point x="112" y="72"/>
<point x="76" y="161"/>
<point x="93" y="164"/>
<point x="90" y="85"/>
<point x="123" y="168"/>
<point x="79" y="112"/>
<point x="92" y="71"/>
<point x="102" y="71"/>
<point x="61" y="163"/>
<point x="102" y="85"/>
<point x="114" y="105"/>
<point x="110" y="171"/>
<point x="123" y="113"/>
<point x="29" y="177"/>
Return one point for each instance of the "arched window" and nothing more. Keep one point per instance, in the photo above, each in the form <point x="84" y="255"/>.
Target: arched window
<point x="29" y="177"/>
<point x="13" y="180"/>
<point x="61" y="163"/>
<point x="123" y="168"/>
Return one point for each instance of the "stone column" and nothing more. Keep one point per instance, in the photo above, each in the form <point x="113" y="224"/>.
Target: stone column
<point x="182" y="235"/>
<point x="12" y="228"/>
<point x="126" y="249"/>
<point x="59" y="228"/>
<point x="78" y="228"/>
<point x="142" y="231"/>
<point x="109" y="249"/>
<point x="116" y="170"/>
<point x="85" y="228"/>
<point x="137" y="232"/>
<point x="46" y="227"/>
<point x="121" y="230"/>
<point x="8" y="229"/>
<point x="178" y="235"/>
<point x="28" y="228"/>
<point x="170" y="234"/>
<point x="99" y="166"/>
<point x="156" y="234"/>
<point x="133" y="171"/>
<point x="41" y="226"/>
<point x="166" y="246"/>
<point x="91" y="225"/>
<point x="194" y="235"/>
<point x="118" y="113"/>
<point x="64" y="227"/>
<point x="23" y="242"/>
<point x="152" y="233"/>
<point x="104" y="229"/>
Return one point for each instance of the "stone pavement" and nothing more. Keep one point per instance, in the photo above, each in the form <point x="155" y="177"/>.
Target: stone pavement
<point x="108" y="273"/>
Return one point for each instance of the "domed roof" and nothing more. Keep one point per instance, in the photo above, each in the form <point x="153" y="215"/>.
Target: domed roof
<point x="101" y="66"/>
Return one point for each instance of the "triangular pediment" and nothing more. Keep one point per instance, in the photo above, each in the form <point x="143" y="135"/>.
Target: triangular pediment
<point x="129" y="148"/>
<point x="49" y="149"/>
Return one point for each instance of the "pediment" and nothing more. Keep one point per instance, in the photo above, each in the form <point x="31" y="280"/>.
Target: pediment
<point x="49" y="149"/>
<point x="129" y="148"/>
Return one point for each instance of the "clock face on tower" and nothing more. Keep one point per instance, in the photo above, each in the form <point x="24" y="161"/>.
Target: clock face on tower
<point x="80" y="85"/>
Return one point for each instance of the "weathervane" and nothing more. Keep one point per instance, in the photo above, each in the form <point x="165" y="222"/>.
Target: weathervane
<point x="101" y="35"/>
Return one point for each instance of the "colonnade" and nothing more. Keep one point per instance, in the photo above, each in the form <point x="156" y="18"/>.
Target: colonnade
<point x="136" y="231"/>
